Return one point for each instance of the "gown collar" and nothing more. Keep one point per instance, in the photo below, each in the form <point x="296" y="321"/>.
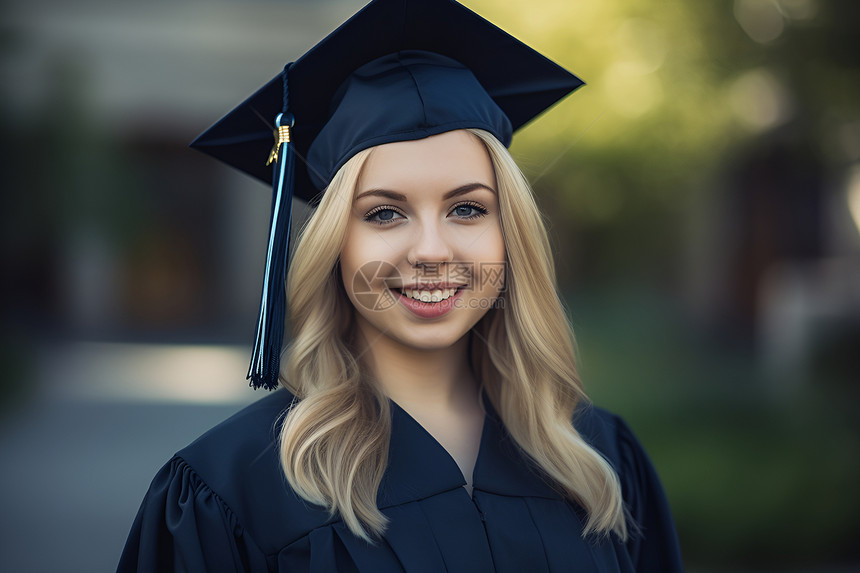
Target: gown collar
<point x="419" y="466"/>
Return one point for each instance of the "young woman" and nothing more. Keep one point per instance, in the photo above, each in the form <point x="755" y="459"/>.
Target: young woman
<point x="431" y="417"/>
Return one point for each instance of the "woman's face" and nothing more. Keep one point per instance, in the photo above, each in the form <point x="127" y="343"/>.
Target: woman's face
<point x="423" y="259"/>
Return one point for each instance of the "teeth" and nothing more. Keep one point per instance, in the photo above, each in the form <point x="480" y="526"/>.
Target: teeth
<point x="437" y="295"/>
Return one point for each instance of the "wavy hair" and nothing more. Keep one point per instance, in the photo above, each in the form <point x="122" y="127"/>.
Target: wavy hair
<point x="334" y="439"/>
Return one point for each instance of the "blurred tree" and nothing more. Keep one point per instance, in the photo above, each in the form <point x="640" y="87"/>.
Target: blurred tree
<point x="673" y="89"/>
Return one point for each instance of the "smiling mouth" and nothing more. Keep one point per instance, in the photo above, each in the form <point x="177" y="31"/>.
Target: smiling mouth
<point x="428" y="295"/>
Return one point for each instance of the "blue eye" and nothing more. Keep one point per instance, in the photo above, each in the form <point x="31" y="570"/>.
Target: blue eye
<point x="468" y="211"/>
<point x="382" y="215"/>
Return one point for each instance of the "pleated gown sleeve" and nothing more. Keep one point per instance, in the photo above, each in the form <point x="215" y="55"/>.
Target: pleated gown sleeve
<point x="182" y="525"/>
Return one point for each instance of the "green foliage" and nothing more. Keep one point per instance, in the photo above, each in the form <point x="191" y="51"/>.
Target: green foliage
<point x="674" y="91"/>
<point x="754" y="479"/>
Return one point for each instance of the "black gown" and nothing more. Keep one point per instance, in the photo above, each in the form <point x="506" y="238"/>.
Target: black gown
<point x="223" y="504"/>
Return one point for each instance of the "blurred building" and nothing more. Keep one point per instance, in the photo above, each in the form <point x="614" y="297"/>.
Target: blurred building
<point x="119" y="230"/>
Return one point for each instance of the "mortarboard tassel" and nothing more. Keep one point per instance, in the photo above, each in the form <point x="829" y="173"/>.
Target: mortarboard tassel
<point x="266" y="358"/>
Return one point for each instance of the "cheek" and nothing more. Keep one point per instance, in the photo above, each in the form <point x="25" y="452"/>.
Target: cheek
<point x="366" y="262"/>
<point x="486" y="244"/>
<point x="491" y="268"/>
<point x="498" y="244"/>
<point x="364" y="246"/>
<point x="350" y="269"/>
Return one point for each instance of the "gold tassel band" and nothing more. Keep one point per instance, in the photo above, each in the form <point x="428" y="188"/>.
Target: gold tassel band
<point x="282" y="135"/>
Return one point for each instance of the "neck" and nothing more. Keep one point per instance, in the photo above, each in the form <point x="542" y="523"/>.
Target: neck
<point x="421" y="379"/>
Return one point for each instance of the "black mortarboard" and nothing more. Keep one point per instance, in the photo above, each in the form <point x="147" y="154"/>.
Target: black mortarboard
<point x="397" y="70"/>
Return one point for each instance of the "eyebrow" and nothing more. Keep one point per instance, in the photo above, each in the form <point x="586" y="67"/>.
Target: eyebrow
<point x="395" y="196"/>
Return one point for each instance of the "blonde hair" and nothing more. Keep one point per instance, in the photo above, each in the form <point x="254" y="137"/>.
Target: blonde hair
<point x="334" y="440"/>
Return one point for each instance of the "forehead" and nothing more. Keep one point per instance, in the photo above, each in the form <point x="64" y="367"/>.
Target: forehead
<point x="440" y="162"/>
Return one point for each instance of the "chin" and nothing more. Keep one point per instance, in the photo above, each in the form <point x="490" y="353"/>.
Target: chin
<point x="427" y="337"/>
<point x="432" y="343"/>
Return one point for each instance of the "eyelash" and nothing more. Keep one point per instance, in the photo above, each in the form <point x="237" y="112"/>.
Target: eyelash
<point x="481" y="210"/>
<point x="369" y="216"/>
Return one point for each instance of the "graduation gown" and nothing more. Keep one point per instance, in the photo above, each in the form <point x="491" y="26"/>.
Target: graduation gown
<point x="223" y="504"/>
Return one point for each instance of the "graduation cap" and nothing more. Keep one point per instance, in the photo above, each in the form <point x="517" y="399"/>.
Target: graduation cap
<point x="398" y="70"/>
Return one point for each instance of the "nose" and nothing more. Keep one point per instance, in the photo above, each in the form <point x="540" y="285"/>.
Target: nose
<point x="430" y="245"/>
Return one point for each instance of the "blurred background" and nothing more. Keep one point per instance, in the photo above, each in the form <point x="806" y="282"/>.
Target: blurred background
<point x="703" y="197"/>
